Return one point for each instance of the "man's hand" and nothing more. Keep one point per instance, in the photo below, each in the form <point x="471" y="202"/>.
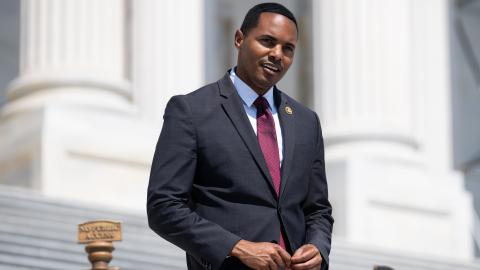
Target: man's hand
<point x="261" y="256"/>
<point x="307" y="257"/>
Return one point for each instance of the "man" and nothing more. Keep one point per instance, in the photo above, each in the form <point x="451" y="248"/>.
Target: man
<point x="238" y="177"/>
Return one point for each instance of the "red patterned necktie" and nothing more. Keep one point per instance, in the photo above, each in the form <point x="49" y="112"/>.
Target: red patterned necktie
<point x="267" y="138"/>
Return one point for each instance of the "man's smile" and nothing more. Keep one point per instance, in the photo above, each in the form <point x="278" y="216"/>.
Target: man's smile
<point x="271" y="69"/>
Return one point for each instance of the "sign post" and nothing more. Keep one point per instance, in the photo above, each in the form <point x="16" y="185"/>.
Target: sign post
<point x="99" y="235"/>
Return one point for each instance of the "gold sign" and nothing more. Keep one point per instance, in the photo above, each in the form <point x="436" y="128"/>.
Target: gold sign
<point x="101" y="230"/>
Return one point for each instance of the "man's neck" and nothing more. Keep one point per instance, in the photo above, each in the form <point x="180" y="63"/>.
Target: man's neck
<point x="244" y="78"/>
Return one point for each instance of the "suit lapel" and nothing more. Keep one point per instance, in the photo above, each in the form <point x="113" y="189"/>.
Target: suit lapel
<point x="287" y="123"/>
<point x="233" y="107"/>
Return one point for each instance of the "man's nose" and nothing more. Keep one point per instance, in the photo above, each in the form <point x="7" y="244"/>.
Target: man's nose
<point x="275" y="53"/>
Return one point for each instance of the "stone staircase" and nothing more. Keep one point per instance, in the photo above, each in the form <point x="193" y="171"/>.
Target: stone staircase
<point x="345" y="256"/>
<point x="40" y="233"/>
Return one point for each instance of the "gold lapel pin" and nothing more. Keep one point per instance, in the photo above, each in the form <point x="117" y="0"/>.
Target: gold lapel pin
<point x="288" y="110"/>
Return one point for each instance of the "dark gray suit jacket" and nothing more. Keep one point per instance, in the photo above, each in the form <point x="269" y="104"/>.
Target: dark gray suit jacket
<point x="210" y="186"/>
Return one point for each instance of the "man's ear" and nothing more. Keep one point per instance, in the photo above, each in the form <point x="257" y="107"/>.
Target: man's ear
<point x="239" y="38"/>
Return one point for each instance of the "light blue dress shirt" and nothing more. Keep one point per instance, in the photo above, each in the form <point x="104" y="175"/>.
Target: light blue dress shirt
<point x="249" y="96"/>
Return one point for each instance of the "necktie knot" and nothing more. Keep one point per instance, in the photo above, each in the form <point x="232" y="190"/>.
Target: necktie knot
<point x="261" y="103"/>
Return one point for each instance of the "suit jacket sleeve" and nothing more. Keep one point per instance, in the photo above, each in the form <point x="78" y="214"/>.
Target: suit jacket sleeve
<point x="172" y="177"/>
<point x="317" y="208"/>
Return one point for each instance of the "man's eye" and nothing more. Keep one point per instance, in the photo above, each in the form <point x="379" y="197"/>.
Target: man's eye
<point x="267" y="42"/>
<point x="289" y="51"/>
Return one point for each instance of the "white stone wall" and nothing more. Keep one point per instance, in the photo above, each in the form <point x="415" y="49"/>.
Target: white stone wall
<point x="465" y="21"/>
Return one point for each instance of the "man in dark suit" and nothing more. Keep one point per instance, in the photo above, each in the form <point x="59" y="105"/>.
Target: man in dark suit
<point x="238" y="178"/>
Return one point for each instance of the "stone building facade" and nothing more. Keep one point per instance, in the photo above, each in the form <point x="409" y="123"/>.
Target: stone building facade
<point x="396" y="84"/>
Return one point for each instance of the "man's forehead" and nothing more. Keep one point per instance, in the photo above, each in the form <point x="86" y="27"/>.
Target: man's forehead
<point x="275" y="24"/>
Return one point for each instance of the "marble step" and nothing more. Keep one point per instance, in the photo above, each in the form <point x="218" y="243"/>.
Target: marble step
<point x="37" y="232"/>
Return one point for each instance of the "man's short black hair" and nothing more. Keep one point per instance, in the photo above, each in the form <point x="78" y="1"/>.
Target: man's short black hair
<point x="251" y="19"/>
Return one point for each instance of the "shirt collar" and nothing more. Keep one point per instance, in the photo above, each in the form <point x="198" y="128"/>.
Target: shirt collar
<point x="247" y="94"/>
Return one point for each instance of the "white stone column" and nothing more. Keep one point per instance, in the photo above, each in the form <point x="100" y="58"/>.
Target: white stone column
<point x="168" y="40"/>
<point x="69" y="129"/>
<point x="71" y="51"/>
<point x="382" y="88"/>
<point x="363" y="77"/>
